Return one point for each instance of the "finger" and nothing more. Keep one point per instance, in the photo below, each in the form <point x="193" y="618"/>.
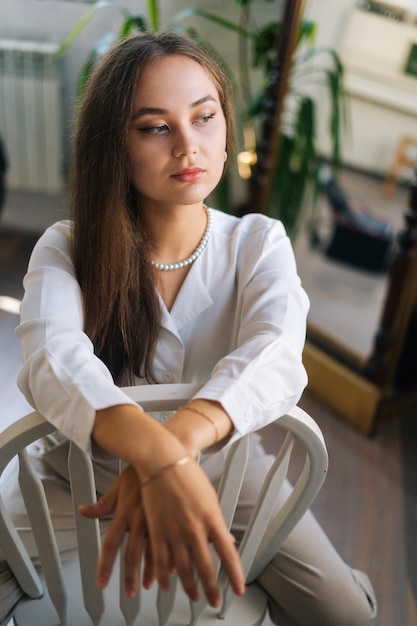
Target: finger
<point x="225" y="547"/>
<point x="109" y="548"/>
<point x="172" y="566"/>
<point x="183" y="561"/>
<point x="161" y="560"/>
<point x="103" y="507"/>
<point x="97" y="510"/>
<point x="148" y="569"/>
<point x="206" y="571"/>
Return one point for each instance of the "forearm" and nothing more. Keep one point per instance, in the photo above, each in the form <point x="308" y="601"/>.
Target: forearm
<point x="200" y="424"/>
<point x="127" y="432"/>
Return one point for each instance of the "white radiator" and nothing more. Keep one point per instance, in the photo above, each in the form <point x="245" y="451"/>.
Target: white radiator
<point x="31" y="115"/>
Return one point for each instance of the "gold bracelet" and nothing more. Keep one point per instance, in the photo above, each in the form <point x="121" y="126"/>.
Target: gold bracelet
<point x="182" y="461"/>
<point x="210" y="419"/>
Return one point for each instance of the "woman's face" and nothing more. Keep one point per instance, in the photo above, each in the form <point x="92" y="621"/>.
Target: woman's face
<point x="177" y="134"/>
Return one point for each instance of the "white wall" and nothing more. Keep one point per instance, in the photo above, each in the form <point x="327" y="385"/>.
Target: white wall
<point x="331" y="16"/>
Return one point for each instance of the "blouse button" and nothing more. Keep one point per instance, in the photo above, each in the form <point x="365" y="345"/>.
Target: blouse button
<point x="166" y="377"/>
<point x="163" y="417"/>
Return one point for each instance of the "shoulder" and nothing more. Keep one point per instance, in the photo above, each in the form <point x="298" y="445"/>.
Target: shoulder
<point x="53" y="245"/>
<point x="252" y="235"/>
<point x="251" y="244"/>
<point x="251" y="226"/>
<point x="59" y="234"/>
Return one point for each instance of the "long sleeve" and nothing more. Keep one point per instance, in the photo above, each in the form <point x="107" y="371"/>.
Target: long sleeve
<point x="263" y="376"/>
<point x="61" y="376"/>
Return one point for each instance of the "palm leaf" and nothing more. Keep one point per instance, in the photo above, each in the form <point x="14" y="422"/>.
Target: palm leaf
<point x="101" y="47"/>
<point x="295" y="168"/>
<point x="101" y="4"/>
<point x="153" y="13"/>
<point x="130" y="24"/>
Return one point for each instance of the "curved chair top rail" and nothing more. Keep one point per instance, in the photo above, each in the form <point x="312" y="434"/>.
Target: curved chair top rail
<point x="34" y="426"/>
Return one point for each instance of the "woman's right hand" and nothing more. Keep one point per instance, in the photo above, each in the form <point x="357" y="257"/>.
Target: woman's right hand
<point x="124" y="502"/>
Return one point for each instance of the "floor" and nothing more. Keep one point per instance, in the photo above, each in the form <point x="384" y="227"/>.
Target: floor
<point x="345" y="302"/>
<point x="368" y="505"/>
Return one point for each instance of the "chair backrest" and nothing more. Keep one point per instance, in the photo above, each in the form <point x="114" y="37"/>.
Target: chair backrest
<point x="71" y="585"/>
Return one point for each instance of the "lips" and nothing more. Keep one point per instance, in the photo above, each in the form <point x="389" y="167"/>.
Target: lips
<point x="189" y="174"/>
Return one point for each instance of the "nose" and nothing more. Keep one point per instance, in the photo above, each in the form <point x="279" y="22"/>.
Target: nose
<point x="185" y="143"/>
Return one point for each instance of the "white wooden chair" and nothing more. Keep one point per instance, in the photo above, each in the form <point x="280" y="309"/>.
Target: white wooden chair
<point x="71" y="596"/>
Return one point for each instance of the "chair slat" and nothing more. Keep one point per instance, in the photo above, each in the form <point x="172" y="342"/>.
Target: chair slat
<point x="228" y="493"/>
<point x="130" y="607"/>
<point x="261" y="514"/>
<point x="232" y="478"/>
<point x="305" y="489"/>
<point x="13" y="439"/>
<point x="165" y="601"/>
<point x="40" y="520"/>
<point x="88" y="535"/>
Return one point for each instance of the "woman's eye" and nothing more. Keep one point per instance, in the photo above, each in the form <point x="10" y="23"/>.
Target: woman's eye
<point x="154" y="129"/>
<point x="205" y="118"/>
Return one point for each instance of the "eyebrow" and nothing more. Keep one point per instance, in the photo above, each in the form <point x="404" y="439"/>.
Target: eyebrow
<point x="158" y="111"/>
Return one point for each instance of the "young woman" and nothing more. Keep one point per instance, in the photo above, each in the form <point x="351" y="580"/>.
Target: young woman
<point x="146" y="284"/>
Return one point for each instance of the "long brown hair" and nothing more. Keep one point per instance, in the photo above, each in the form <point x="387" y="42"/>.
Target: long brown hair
<point x="110" y="247"/>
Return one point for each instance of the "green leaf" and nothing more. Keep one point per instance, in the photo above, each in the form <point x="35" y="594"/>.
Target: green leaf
<point x="296" y="166"/>
<point x="136" y="22"/>
<point x="101" y="47"/>
<point x="86" y="18"/>
<point x="307" y="32"/>
<point x="153" y="13"/>
<point x="84" y="75"/>
<point x="263" y="45"/>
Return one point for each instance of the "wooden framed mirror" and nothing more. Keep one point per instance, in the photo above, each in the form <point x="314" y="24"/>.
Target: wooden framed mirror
<point x="362" y="388"/>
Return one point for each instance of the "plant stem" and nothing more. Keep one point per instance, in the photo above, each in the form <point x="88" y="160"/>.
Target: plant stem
<point x="154" y="16"/>
<point x="243" y="55"/>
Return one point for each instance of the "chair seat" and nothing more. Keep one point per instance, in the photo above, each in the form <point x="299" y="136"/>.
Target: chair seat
<point x="247" y="610"/>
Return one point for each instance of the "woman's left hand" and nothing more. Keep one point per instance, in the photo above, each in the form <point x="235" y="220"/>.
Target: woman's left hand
<point x="124" y="502"/>
<point x="184" y="518"/>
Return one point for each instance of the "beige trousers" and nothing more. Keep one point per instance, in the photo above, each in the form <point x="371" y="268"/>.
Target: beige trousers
<point x="307" y="582"/>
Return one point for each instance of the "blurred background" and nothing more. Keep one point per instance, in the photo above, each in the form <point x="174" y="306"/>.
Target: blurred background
<point x="341" y="183"/>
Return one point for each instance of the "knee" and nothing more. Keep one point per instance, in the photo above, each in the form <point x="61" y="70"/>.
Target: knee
<point x="315" y="600"/>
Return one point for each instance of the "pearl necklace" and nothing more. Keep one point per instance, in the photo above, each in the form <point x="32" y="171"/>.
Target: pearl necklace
<point x="194" y="255"/>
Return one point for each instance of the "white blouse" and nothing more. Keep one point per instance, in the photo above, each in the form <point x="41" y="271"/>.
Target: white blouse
<point x="237" y="326"/>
